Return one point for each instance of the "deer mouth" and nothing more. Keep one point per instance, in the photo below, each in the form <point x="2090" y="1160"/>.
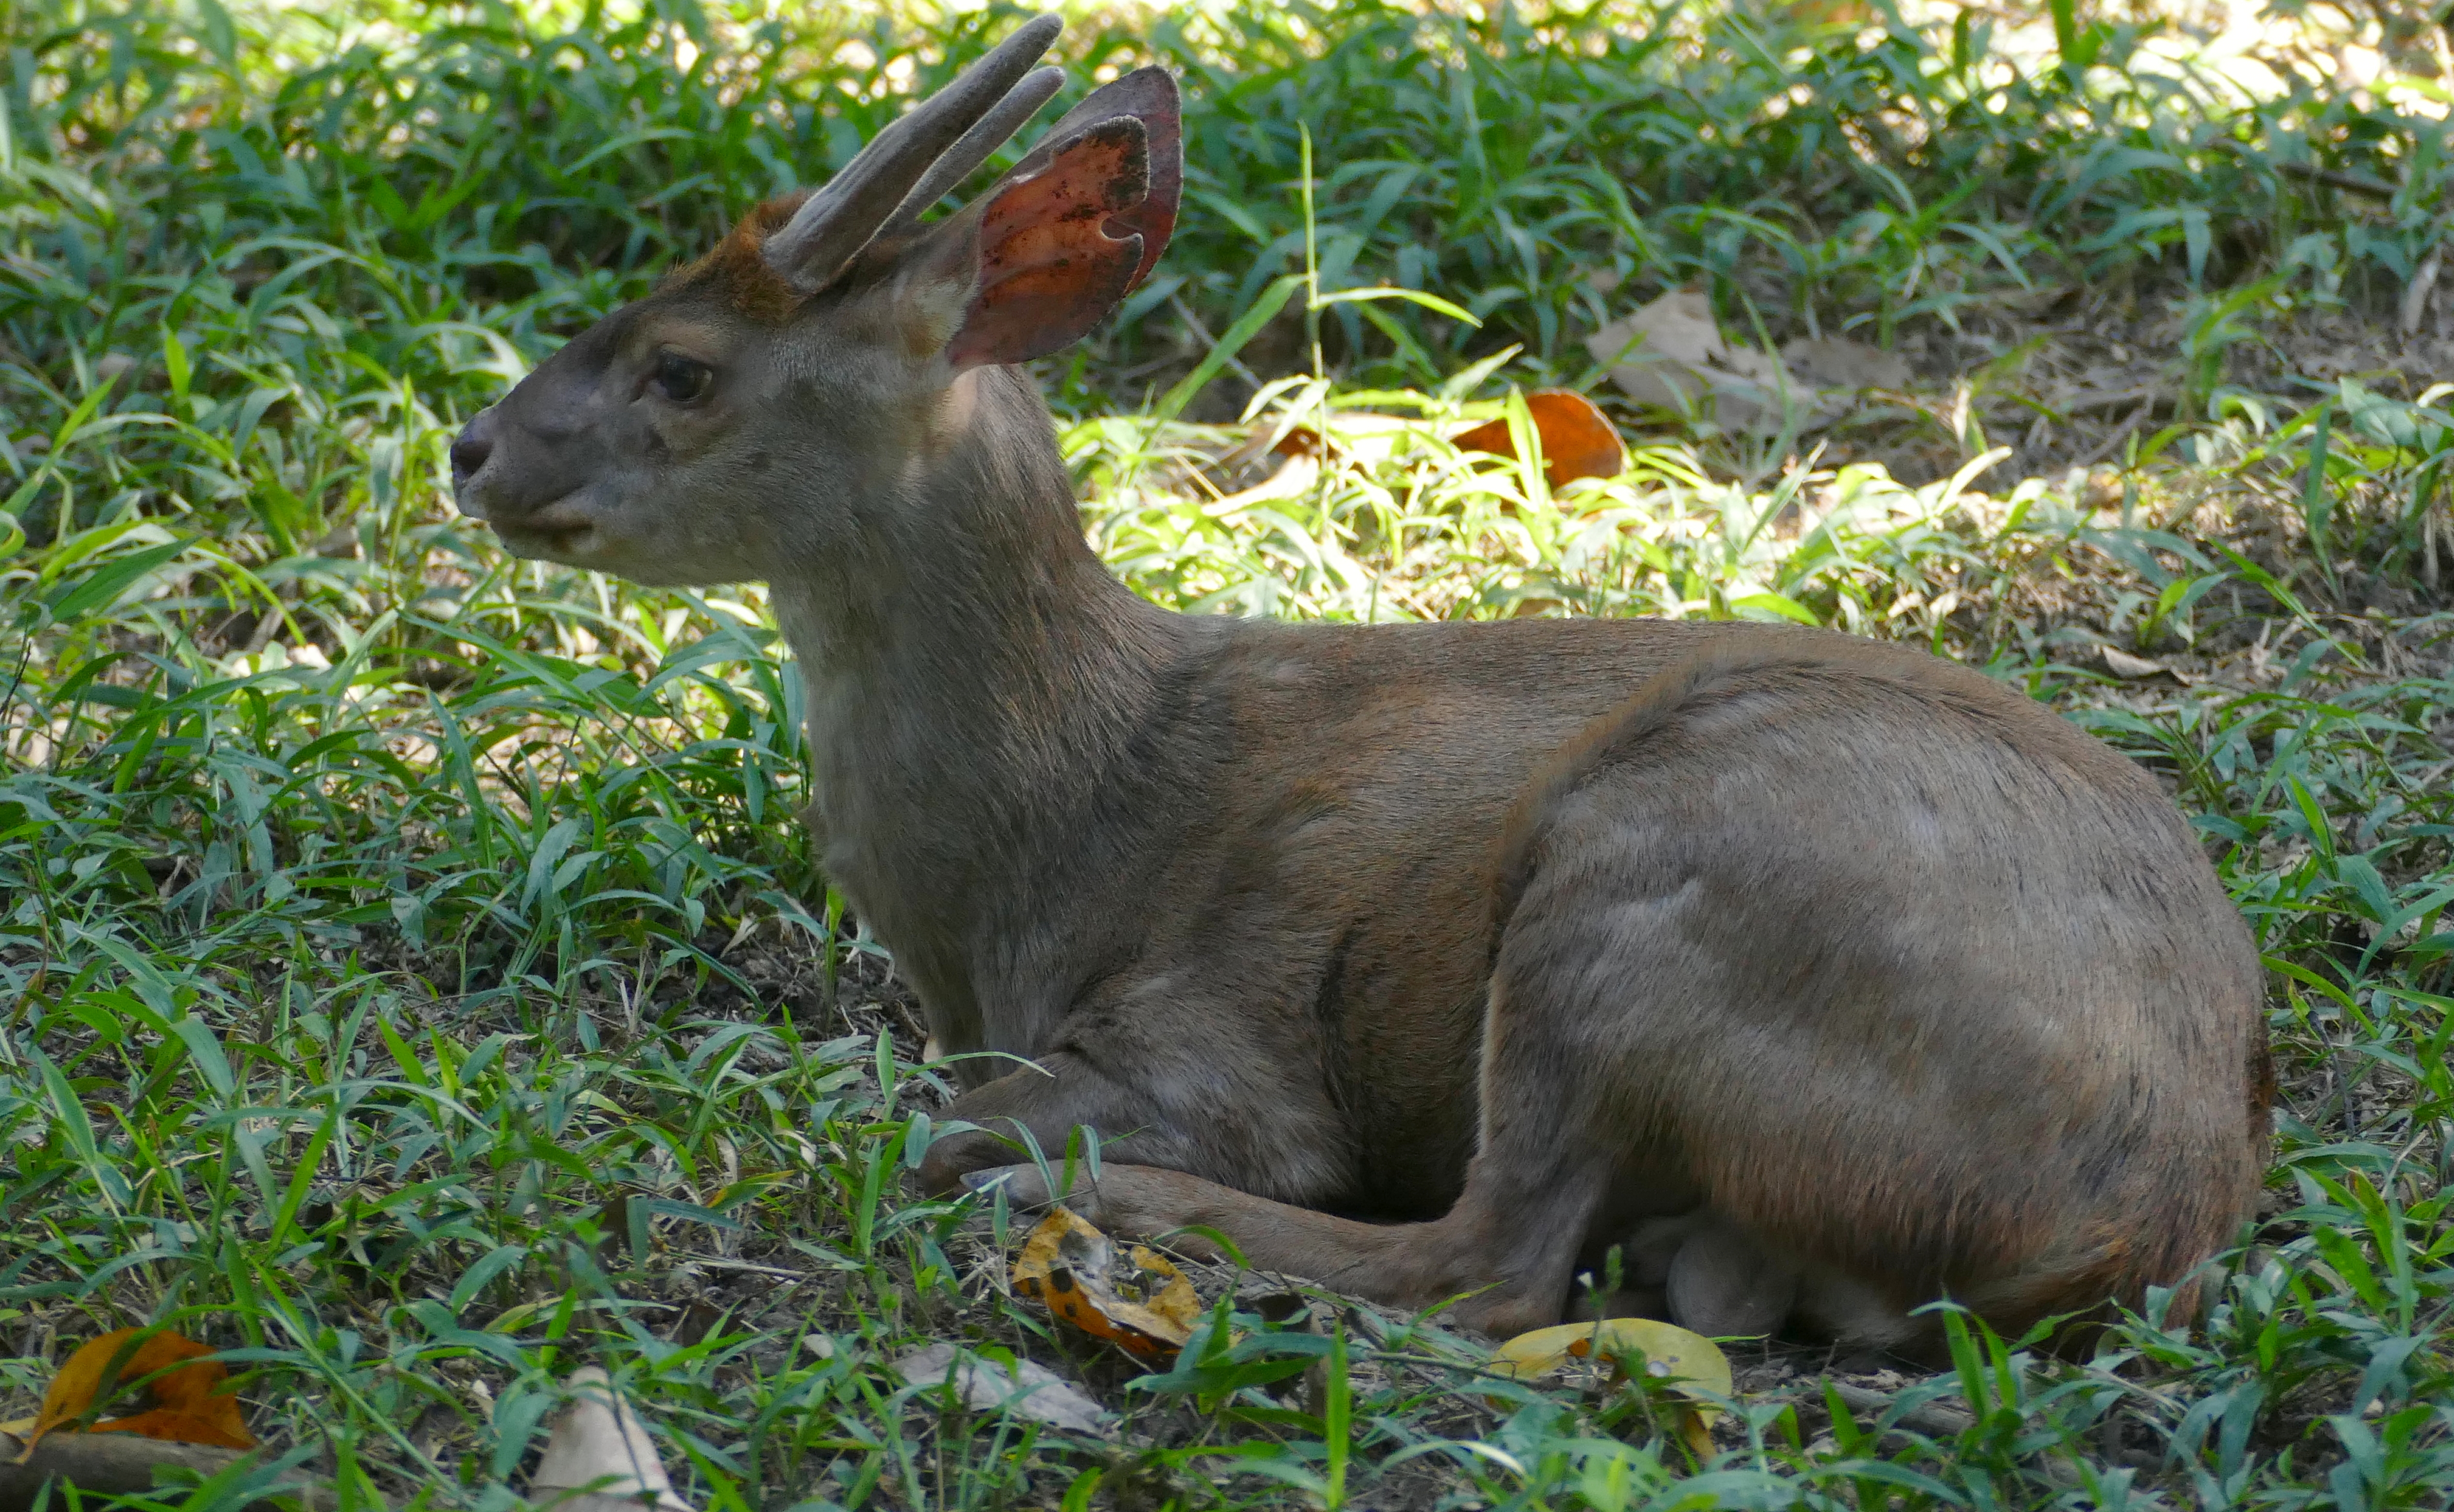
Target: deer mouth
<point x="563" y="543"/>
<point x="560" y="530"/>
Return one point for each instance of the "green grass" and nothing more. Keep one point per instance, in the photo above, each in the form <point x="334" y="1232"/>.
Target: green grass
<point x="412" y="980"/>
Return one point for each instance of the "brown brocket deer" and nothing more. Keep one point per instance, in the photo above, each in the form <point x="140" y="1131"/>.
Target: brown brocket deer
<point x="1826" y="979"/>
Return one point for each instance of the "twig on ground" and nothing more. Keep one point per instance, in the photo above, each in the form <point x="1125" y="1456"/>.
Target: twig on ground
<point x="1935" y="1419"/>
<point x="114" y="1464"/>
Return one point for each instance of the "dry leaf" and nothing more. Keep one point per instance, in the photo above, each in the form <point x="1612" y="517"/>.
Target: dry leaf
<point x="107" y="1466"/>
<point x="188" y="1405"/>
<point x="2415" y="295"/>
<point x="1671" y="352"/>
<point x="1652" y="350"/>
<point x="1295" y="476"/>
<point x="1577" y="440"/>
<point x="1831" y="12"/>
<point x="600" y="1454"/>
<point x="1693" y="1363"/>
<point x="2122" y="664"/>
<point x="1837" y="362"/>
<point x="1027" y="1389"/>
<point x="1139" y="1302"/>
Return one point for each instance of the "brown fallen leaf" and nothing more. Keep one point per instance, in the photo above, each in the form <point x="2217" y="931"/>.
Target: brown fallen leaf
<point x="1024" y="1388"/>
<point x="104" y="1465"/>
<point x="2415" y="295"/>
<point x="1672" y="354"/>
<point x="1838" y="362"/>
<point x="1830" y="12"/>
<point x="189" y="1404"/>
<point x="598" y="1458"/>
<point x="2122" y="664"/>
<point x="1138" y="1301"/>
<point x="1577" y="440"/>
<point x="1693" y="1364"/>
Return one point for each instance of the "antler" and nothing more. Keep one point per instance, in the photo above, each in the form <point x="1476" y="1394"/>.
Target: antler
<point x="1147" y="94"/>
<point x="1001" y="122"/>
<point x="832" y="225"/>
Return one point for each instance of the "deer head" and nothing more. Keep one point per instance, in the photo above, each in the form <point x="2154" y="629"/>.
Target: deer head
<point x="772" y="400"/>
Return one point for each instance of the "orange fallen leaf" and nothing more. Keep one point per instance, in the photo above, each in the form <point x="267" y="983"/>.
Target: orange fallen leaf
<point x="1577" y="440"/>
<point x="1300" y="440"/>
<point x="219" y="1426"/>
<point x="187" y="1405"/>
<point x="1139" y="1301"/>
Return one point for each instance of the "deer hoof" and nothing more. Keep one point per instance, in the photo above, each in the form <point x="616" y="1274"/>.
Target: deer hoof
<point x="1723" y="1286"/>
<point x="1022" y="1184"/>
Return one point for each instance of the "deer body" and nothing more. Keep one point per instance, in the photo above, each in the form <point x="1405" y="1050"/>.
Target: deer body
<point x="1821" y="977"/>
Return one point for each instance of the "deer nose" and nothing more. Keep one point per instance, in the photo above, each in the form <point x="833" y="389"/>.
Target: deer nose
<point x="471" y="448"/>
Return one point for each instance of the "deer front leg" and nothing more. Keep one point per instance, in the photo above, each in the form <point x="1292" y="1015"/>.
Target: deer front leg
<point x="1167" y="1081"/>
<point x="1049" y="1099"/>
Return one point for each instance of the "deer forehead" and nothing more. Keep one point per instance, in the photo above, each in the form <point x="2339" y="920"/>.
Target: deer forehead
<point x="735" y="275"/>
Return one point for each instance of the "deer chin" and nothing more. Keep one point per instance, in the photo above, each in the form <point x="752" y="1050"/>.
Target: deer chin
<point x="568" y="530"/>
<point x="603" y="546"/>
<point x="572" y="546"/>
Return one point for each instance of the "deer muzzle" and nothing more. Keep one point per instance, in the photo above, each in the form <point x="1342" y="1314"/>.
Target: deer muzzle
<point x="505" y="477"/>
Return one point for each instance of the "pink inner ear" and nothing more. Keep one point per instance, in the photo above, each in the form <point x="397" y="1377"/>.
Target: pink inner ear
<point x="1049" y="269"/>
<point x="1154" y="220"/>
<point x="1150" y="96"/>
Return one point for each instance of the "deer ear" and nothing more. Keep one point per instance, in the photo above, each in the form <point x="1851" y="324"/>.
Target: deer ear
<point x="1059" y="246"/>
<point x="1150" y="96"/>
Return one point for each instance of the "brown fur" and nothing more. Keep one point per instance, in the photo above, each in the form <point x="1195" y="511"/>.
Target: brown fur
<point x="737" y="273"/>
<point x="1822" y="976"/>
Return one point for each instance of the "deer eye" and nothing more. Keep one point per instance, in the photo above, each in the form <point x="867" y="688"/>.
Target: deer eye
<point x="680" y="378"/>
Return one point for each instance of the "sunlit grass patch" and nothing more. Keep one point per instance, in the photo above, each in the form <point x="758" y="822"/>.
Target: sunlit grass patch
<point x="1378" y="517"/>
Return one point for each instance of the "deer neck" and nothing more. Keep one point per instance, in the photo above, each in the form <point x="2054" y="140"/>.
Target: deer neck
<point x="971" y="681"/>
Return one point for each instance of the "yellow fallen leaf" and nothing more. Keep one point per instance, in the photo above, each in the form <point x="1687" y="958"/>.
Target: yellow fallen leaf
<point x="1174" y="1298"/>
<point x="187" y="1405"/>
<point x="1690" y="1363"/>
<point x="1138" y="1301"/>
